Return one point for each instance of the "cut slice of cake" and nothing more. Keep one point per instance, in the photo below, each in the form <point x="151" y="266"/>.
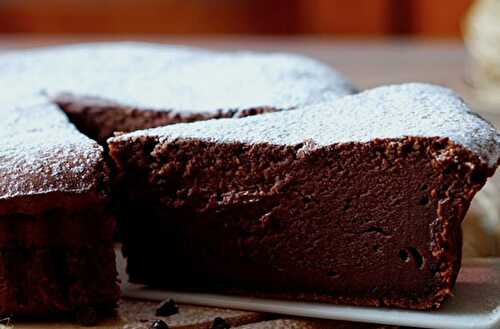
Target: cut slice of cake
<point x="108" y="87"/>
<point x="356" y="201"/>
<point x="56" y="249"/>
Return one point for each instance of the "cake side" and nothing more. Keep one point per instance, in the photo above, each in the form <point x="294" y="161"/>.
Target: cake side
<point x="412" y="109"/>
<point x="47" y="281"/>
<point x="272" y="220"/>
<point x="56" y="248"/>
<point x="274" y="204"/>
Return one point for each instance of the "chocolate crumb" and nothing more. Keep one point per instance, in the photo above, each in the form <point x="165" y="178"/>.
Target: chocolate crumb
<point x="167" y="308"/>
<point x="220" y="323"/>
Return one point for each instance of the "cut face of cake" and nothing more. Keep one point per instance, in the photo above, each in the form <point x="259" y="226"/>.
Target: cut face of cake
<point x="56" y="249"/>
<point x="128" y="86"/>
<point x="356" y="201"/>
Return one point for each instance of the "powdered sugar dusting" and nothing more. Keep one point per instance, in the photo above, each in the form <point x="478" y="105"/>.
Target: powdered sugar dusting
<point x="41" y="152"/>
<point x="396" y="111"/>
<point x="171" y="78"/>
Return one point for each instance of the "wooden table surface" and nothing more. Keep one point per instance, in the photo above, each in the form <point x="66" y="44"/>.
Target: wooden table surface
<point x="367" y="63"/>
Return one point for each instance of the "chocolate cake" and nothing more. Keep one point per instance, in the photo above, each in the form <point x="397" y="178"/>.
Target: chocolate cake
<point x="56" y="240"/>
<point x="356" y="201"/>
<point x="56" y="249"/>
<point x="111" y="87"/>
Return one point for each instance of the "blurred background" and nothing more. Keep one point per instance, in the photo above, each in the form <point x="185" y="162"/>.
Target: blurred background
<point x="350" y="18"/>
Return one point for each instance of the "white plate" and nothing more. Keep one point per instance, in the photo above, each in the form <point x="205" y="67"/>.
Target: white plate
<point x="475" y="304"/>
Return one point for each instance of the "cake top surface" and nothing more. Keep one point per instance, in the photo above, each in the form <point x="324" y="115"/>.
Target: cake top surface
<point x="160" y="77"/>
<point x="395" y="111"/>
<point x="42" y="152"/>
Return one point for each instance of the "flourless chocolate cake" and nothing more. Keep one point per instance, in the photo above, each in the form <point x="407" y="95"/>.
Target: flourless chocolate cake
<point x="356" y="201"/>
<point x="56" y="248"/>
<point x="56" y="240"/>
<point x="111" y="87"/>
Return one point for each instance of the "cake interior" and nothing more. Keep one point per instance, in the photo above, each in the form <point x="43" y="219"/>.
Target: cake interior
<point x="374" y="223"/>
<point x="99" y="119"/>
<point x="58" y="260"/>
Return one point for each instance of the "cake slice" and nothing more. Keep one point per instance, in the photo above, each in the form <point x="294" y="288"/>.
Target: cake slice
<point x="56" y="249"/>
<point x="356" y="201"/>
<point x="108" y="87"/>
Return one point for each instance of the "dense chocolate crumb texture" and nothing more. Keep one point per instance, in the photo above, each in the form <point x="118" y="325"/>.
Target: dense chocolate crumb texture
<point x="287" y="198"/>
<point x="181" y="79"/>
<point x="388" y="112"/>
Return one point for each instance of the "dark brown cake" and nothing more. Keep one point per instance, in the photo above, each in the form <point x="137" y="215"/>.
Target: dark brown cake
<point x="112" y="87"/>
<point x="56" y="234"/>
<point x="56" y="249"/>
<point x="357" y="201"/>
<point x="99" y="118"/>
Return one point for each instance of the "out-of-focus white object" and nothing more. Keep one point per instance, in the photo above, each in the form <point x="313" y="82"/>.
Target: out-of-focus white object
<point x="481" y="227"/>
<point x="482" y="39"/>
